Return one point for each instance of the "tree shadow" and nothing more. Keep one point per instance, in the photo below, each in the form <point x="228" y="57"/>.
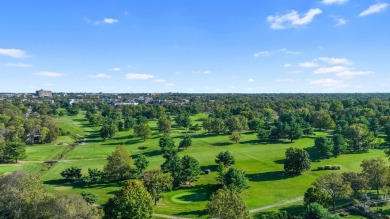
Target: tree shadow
<point x="222" y="144"/>
<point x="250" y="142"/>
<point x="152" y="153"/>
<point x="294" y="209"/>
<point x="313" y="153"/>
<point x="268" y="176"/>
<point x="213" y="168"/>
<point x="197" y="213"/>
<point x="281" y="161"/>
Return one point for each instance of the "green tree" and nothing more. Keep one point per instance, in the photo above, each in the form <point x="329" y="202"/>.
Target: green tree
<point x="334" y="186"/>
<point x="71" y="173"/>
<point x="235" y="179"/>
<point x="263" y="134"/>
<point x="314" y="195"/>
<point x="129" y="123"/>
<point x="225" y="158"/>
<point x="324" y="146"/>
<point x="317" y="211"/>
<point x="173" y="165"/>
<point x="190" y="170"/>
<point x="376" y="172"/>
<point x="141" y="164"/>
<point x="119" y="165"/>
<point x="156" y="182"/>
<point x="256" y="124"/>
<point x="235" y="137"/>
<point x="164" y="125"/>
<point x="359" y="138"/>
<point x="294" y="131"/>
<point x="227" y="204"/>
<point x="339" y="145"/>
<point x="234" y="124"/>
<point x="166" y="143"/>
<point x="133" y="201"/>
<point x="143" y="131"/>
<point x="107" y="131"/>
<point x="297" y="161"/>
<point x="89" y="197"/>
<point x="357" y="181"/>
<point x="14" y="151"/>
<point x="94" y="176"/>
<point x="186" y="142"/>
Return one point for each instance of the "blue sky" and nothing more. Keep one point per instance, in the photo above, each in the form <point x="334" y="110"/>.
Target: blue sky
<point x="198" y="46"/>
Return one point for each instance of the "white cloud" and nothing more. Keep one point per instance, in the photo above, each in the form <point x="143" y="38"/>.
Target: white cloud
<point x="262" y="54"/>
<point x="137" y="76"/>
<point x="20" y="65"/>
<point x="287" y="65"/>
<point x="14" y="53"/>
<point x="49" y="74"/>
<point x="351" y="73"/>
<point x="329" y="2"/>
<point x="332" y="69"/>
<point x="100" y="75"/>
<point x="159" y="81"/>
<point x="205" y="72"/>
<point x="308" y="65"/>
<point x="293" y="19"/>
<point x="104" y="21"/>
<point x="250" y="80"/>
<point x="335" y="61"/>
<point x="169" y="84"/>
<point x="339" y="21"/>
<point x="329" y="84"/>
<point x="110" y="20"/>
<point x="114" y="69"/>
<point x="375" y="8"/>
<point x="341" y="71"/>
<point x="289" y="51"/>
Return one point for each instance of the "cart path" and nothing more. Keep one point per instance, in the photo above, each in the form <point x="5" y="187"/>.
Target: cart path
<point x="278" y="204"/>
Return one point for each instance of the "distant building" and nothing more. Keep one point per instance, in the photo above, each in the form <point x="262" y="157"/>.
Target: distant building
<point x="44" y="93"/>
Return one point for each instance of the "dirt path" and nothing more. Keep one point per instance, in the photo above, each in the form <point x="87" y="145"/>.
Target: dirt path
<point x="297" y="199"/>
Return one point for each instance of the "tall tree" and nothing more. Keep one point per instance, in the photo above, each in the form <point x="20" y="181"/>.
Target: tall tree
<point x="297" y="161"/>
<point x="190" y="170"/>
<point x="107" y="131"/>
<point x="339" y="145"/>
<point x="186" y="142"/>
<point x="235" y="179"/>
<point x="235" y="137"/>
<point x="324" y="146"/>
<point x="376" y="171"/>
<point x="334" y="186"/>
<point x="141" y="163"/>
<point x="164" y="125"/>
<point x="156" y="183"/>
<point x="359" y="138"/>
<point x="133" y="201"/>
<point x="227" y="204"/>
<point x="119" y="165"/>
<point x="71" y="173"/>
<point x="317" y="211"/>
<point x="225" y="158"/>
<point x="143" y="131"/>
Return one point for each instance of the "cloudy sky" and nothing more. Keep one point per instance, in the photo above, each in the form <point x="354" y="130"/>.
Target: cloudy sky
<point x="246" y="46"/>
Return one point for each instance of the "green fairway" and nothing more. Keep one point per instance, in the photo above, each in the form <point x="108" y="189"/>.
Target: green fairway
<point x="263" y="164"/>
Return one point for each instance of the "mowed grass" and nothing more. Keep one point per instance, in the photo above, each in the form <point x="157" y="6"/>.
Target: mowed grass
<point x="263" y="164"/>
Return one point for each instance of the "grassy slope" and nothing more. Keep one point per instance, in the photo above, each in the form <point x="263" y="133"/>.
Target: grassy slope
<point x="262" y="162"/>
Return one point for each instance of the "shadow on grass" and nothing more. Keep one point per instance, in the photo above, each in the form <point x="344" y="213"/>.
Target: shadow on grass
<point x="250" y="142"/>
<point x="268" y="176"/>
<point x="281" y="161"/>
<point x="313" y="153"/>
<point x="213" y="168"/>
<point x="222" y="144"/>
<point x="152" y="153"/>
<point x="294" y="209"/>
<point x="197" y="213"/>
<point x="82" y="185"/>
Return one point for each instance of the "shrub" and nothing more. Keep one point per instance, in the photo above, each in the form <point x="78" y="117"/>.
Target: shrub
<point x="329" y="167"/>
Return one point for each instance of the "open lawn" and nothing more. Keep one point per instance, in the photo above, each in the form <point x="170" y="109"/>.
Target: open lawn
<point x="263" y="164"/>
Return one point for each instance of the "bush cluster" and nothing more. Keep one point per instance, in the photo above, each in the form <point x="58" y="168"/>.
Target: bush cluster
<point x="329" y="167"/>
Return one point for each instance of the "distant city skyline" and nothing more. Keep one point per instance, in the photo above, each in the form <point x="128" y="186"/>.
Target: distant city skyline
<point x="217" y="46"/>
